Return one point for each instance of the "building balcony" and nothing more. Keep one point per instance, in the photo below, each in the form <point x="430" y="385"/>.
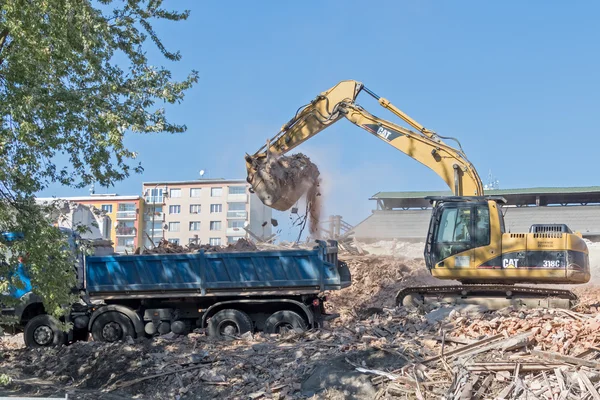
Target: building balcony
<point x="155" y="233"/>
<point x="236" y="232"/>
<point x="154" y="199"/>
<point x="237" y="198"/>
<point x="237" y="214"/>
<point x="126" y="231"/>
<point x="123" y="249"/>
<point x="126" y="214"/>
<point x="158" y="216"/>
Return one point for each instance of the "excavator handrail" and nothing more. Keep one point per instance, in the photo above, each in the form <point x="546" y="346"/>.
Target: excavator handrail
<point x="424" y="145"/>
<point x="462" y="199"/>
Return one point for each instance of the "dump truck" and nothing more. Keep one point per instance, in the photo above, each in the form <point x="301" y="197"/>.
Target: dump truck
<point x="229" y="293"/>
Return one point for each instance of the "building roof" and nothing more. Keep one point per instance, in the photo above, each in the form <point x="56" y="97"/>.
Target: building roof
<point x="520" y="196"/>
<point x="195" y="182"/>
<point x="98" y="197"/>
<point x="538" y="190"/>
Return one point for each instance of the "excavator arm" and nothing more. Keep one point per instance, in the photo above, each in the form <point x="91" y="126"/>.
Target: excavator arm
<point x="339" y="102"/>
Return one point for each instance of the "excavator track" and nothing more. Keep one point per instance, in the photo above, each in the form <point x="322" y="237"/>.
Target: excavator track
<point x="491" y="296"/>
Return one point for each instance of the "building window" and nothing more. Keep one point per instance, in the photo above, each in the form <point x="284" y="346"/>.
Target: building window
<point x="125" y="242"/>
<point x="175" y="193"/>
<point x="175" y="209"/>
<point x="236" y="223"/>
<point x="237" y="206"/>
<point x="174" y="226"/>
<point x="125" y="228"/>
<point x="195" y="192"/>
<point x="156" y="227"/>
<point x="154" y="195"/>
<point x="216" y="192"/>
<point x="237" y="189"/>
<point x="107" y="208"/>
<point x="195" y="209"/>
<point x="216" y="208"/>
<point x="194" y="226"/>
<point x="215" y="241"/>
<point x="126" y="207"/>
<point x="215" y="225"/>
<point x="195" y="240"/>
<point x="174" y="241"/>
<point x="232" y="239"/>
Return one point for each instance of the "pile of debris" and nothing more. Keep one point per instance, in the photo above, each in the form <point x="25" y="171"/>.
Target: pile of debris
<point x="166" y="247"/>
<point x="444" y="352"/>
<point x="375" y="350"/>
<point x="375" y="282"/>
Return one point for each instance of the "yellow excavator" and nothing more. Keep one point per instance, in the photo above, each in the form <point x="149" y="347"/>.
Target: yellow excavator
<point x="466" y="240"/>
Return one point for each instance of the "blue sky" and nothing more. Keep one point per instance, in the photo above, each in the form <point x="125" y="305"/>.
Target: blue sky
<point x="517" y="82"/>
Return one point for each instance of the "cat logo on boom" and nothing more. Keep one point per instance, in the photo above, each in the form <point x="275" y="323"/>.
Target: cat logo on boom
<point x="510" y="263"/>
<point x="384" y="133"/>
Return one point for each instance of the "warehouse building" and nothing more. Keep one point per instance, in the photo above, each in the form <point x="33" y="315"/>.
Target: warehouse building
<point x="405" y="215"/>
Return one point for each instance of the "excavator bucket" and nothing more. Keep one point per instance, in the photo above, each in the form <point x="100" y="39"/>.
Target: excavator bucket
<point x="280" y="181"/>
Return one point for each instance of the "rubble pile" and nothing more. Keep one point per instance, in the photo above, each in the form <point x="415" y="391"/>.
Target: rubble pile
<point x="166" y="247"/>
<point x="437" y="351"/>
<point x="375" y="282"/>
<point x="375" y="350"/>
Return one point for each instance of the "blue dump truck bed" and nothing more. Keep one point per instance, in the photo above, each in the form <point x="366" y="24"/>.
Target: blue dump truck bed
<point x="217" y="274"/>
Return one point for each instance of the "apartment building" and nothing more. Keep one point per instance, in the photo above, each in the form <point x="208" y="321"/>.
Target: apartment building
<point x="213" y="211"/>
<point x="122" y="225"/>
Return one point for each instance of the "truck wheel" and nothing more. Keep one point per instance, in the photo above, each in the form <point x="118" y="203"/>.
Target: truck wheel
<point x="229" y="323"/>
<point x="285" y="321"/>
<point x="112" y="326"/>
<point x="44" y="331"/>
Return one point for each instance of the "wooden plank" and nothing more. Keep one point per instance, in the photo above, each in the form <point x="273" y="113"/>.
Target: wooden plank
<point x="506" y="392"/>
<point x="548" y="384"/>
<point x="560" y="379"/>
<point x="588" y="384"/>
<point x="546" y="355"/>
<point x="525" y="367"/>
<point x="510" y="343"/>
<point x="450" y="339"/>
<point x="484" y="385"/>
<point x="464" y="348"/>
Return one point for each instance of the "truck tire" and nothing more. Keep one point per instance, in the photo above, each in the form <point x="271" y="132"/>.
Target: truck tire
<point x="112" y="326"/>
<point x="285" y="321"/>
<point x="229" y="322"/>
<point x="44" y="331"/>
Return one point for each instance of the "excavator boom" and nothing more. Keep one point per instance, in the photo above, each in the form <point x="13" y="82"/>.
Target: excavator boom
<point x="339" y="102"/>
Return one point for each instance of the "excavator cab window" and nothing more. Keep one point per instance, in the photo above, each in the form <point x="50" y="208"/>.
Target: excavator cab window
<point x="457" y="227"/>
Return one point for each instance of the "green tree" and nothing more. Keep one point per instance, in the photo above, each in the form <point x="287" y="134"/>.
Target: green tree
<point x="74" y="78"/>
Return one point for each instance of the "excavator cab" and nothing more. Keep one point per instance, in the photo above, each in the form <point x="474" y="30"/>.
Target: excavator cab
<point x="460" y="225"/>
<point x="467" y="242"/>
